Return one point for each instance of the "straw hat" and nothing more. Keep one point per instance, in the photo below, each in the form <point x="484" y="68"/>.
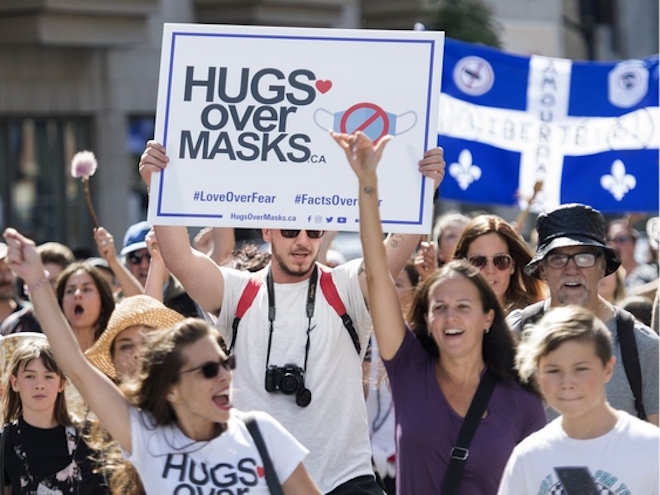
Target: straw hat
<point x="132" y="311"/>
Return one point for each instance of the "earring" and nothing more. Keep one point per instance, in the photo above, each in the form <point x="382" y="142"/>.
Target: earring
<point x="487" y="330"/>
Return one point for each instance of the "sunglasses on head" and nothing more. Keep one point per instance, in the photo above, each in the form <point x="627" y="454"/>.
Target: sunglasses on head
<point x="500" y="261"/>
<point x="135" y="258"/>
<point x="291" y="234"/>
<point x="211" y="369"/>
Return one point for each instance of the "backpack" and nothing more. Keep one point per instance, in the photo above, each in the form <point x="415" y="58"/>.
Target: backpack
<point x="625" y="326"/>
<point x="330" y="293"/>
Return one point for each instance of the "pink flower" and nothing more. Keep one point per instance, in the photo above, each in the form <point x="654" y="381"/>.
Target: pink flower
<point x="83" y="165"/>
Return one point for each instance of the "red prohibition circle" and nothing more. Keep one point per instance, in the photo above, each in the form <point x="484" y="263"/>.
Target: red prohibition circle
<point x="378" y="113"/>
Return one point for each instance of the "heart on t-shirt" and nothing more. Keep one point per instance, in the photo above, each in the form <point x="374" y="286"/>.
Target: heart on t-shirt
<point x="260" y="471"/>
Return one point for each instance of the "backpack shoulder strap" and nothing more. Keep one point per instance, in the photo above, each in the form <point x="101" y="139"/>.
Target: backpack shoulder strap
<point x="245" y="301"/>
<point x="625" y="328"/>
<point x="332" y="296"/>
<point x="531" y="314"/>
<point x="274" y="486"/>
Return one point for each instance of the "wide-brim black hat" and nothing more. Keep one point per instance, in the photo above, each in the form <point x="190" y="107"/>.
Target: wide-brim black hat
<point x="571" y="225"/>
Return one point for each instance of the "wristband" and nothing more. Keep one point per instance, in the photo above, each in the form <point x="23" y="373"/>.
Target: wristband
<point x="31" y="288"/>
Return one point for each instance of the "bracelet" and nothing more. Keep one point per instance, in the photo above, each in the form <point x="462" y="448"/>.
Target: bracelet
<point x="31" y="288"/>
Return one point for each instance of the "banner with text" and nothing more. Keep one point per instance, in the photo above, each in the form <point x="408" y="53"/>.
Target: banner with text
<point x="586" y="131"/>
<point x="245" y="112"/>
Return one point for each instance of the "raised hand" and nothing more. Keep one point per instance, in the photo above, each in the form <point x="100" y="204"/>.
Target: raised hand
<point x="362" y="153"/>
<point x="23" y="258"/>
<point x="105" y="243"/>
<point x="152" y="160"/>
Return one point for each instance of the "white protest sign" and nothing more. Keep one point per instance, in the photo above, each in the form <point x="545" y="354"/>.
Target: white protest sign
<point x="244" y="113"/>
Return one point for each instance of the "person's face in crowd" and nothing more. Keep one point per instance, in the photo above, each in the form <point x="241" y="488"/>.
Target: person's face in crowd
<point x="491" y="246"/>
<point x="448" y="239"/>
<point x="138" y="264"/>
<point x="7" y="281"/>
<point x="573" y="284"/>
<point x="127" y="350"/>
<point x="572" y="378"/>
<point x="54" y="271"/>
<point x="81" y="303"/>
<point x="37" y="386"/>
<point x="607" y="287"/>
<point x="294" y="257"/>
<point x="405" y="290"/>
<point x="619" y="238"/>
<point x="200" y="401"/>
<point x="456" y="319"/>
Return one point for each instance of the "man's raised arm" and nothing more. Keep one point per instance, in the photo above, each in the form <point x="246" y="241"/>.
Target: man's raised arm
<point x="198" y="273"/>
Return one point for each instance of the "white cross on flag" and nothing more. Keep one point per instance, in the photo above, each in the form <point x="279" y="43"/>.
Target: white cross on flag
<point x="587" y="130"/>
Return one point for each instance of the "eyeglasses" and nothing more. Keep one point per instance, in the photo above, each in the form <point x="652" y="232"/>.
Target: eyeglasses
<point x="211" y="369"/>
<point x="500" y="261"/>
<point x="135" y="258"/>
<point x="619" y="239"/>
<point x="291" y="234"/>
<point x="582" y="260"/>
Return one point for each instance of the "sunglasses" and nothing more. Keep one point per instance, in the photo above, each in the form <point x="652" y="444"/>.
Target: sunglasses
<point x="500" y="261"/>
<point x="211" y="369"/>
<point x="292" y="234"/>
<point x="582" y="260"/>
<point x="135" y="258"/>
<point x="620" y="239"/>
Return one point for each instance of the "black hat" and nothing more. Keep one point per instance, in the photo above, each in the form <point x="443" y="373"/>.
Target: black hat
<point x="571" y="225"/>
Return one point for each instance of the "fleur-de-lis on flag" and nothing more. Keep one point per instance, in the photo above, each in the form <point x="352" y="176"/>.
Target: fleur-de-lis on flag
<point x="618" y="182"/>
<point x="465" y="172"/>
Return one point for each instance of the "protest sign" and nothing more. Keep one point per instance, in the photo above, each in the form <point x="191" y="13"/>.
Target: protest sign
<point x="245" y="112"/>
<point x="587" y="130"/>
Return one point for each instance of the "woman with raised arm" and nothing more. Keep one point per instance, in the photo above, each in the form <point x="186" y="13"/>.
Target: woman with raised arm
<point x="457" y="337"/>
<point x="176" y="426"/>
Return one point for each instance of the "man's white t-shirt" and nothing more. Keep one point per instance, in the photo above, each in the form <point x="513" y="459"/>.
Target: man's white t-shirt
<point x="334" y="426"/>
<point x="549" y="462"/>
<point x="169" y="462"/>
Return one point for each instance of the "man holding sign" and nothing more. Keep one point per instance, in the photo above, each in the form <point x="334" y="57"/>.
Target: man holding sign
<point x="296" y="358"/>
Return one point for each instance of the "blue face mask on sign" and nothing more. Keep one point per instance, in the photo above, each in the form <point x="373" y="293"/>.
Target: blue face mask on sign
<point x="368" y="118"/>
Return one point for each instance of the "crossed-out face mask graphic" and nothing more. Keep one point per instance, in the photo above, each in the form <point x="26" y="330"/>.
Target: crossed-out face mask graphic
<point x="369" y="118"/>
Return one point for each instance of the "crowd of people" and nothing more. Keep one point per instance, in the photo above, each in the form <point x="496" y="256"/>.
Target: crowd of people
<point x="470" y="363"/>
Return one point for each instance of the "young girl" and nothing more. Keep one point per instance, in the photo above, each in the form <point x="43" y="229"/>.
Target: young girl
<point x="591" y="448"/>
<point x="177" y="427"/>
<point x="44" y="452"/>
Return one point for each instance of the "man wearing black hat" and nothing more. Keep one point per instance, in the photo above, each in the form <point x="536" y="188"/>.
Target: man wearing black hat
<point x="572" y="256"/>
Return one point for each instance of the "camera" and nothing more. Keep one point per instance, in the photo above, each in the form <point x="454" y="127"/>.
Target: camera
<point x="288" y="379"/>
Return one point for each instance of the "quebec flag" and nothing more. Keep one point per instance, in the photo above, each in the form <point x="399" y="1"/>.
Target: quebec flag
<point x="585" y="132"/>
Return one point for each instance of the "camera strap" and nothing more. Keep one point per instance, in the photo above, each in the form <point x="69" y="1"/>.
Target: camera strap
<point x="309" y="308"/>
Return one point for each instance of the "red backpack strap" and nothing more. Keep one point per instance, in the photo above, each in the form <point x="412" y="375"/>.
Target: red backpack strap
<point x="245" y="301"/>
<point x="332" y="296"/>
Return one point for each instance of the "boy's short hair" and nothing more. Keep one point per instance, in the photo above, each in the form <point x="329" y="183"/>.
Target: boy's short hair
<point x="560" y="325"/>
<point x="56" y="253"/>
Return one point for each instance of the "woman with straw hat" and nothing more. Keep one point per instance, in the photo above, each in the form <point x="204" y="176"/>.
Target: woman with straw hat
<point x="117" y="352"/>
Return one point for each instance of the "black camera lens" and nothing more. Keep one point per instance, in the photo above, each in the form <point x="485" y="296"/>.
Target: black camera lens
<point x="289" y="384"/>
<point x="303" y="397"/>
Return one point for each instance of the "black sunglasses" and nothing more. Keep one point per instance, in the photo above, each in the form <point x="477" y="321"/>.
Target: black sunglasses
<point x="135" y="258"/>
<point x="211" y="369"/>
<point x="312" y="234"/>
<point x="501" y="261"/>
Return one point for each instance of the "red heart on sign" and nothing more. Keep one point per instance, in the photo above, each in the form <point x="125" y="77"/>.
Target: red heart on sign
<point x="323" y="86"/>
<point x="260" y="471"/>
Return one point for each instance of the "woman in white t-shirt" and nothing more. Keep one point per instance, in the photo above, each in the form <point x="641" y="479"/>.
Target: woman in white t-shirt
<point x="176" y="423"/>
<point x="591" y="447"/>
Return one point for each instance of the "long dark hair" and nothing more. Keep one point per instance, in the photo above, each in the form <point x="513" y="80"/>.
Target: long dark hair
<point x="102" y="286"/>
<point x="498" y="348"/>
<point x="25" y="352"/>
<point x="161" y="366"/>
<point x="523" y="290"/>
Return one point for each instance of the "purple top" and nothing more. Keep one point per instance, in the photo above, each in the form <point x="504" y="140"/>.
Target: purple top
<point x="427" y="426"/>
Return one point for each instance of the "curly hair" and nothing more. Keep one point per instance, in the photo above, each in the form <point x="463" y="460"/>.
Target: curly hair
<point x="523" y="290"/>
<point x="498" y="347"/>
